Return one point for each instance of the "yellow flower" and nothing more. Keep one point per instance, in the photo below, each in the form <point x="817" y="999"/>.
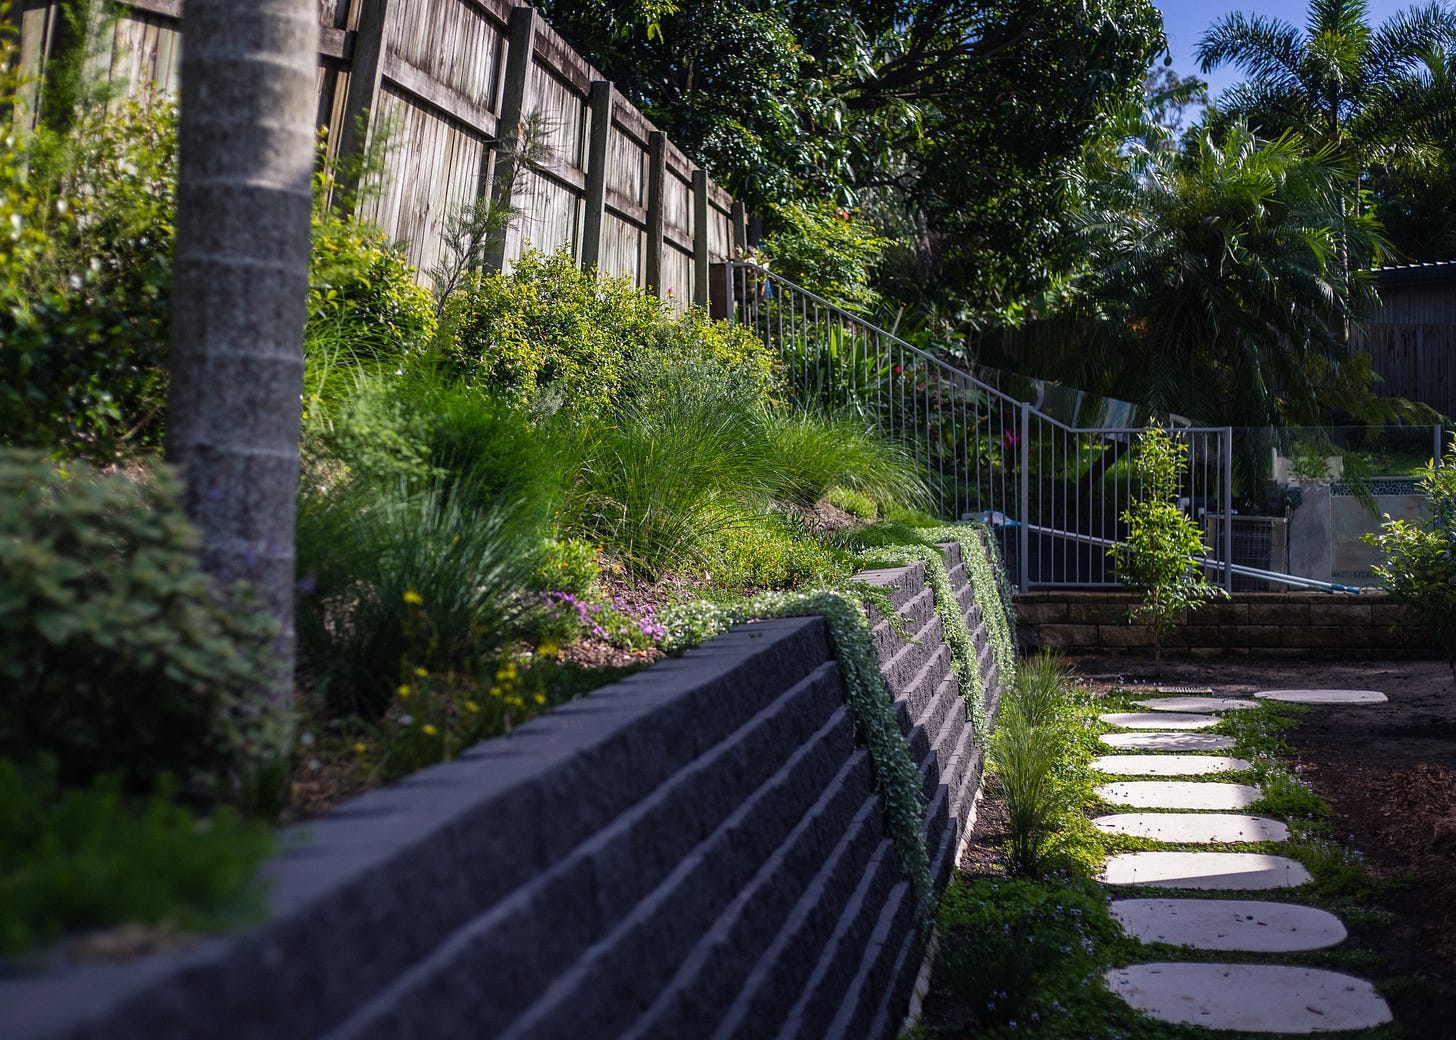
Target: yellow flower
<point x="495" y="691"/>
<point x="414" y="598"/>
<point x="430" y="731"/>
<point x="472" y="707"/>
<point x="404" y="690"/>
<point x="540" y="698"/>
<point x="550" y="648"/>
<point x="361" y="748"/>
<point x="422" y="672"/>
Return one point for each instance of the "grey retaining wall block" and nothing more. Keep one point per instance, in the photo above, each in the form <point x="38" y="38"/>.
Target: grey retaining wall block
<point x="697" y="850"/>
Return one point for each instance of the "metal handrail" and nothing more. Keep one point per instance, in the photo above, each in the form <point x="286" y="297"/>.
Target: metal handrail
<point x="982" y="448"/>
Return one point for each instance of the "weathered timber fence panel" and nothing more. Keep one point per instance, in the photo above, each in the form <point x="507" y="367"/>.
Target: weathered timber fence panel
<point x="447" y="82"/>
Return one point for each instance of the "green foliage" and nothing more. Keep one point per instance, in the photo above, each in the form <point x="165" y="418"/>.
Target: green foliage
<point x="1038" y="763"/>
<point x="116" y="652"/>
<point x="1419" y="558"/>
<point x="1009" y="945"/>
<point x="660" y="480"/>
<point x="85" y="273"/>
<point x="856" y="503"/>
<point x="397" y="577"/>
<point x="896" y="777"/>
<point x="88" y="857"/>
<point x="772" y="552"/>
<point x="826" y="249"/>
<point x="1157" y="555"/>
<point x="549" y="336"/>
<point x="815" y="452"/>
<point x="1220" y="281"/>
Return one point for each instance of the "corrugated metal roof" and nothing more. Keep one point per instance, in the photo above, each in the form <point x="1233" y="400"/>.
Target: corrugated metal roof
<point x="1426" y="271"/>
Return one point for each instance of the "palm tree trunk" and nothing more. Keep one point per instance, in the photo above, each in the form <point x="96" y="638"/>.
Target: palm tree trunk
<point x="239" y="291"/>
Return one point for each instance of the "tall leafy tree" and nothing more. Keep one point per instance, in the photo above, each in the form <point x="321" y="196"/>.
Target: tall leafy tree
<point x="240" y="288"/>
<point x="952" y="122"/>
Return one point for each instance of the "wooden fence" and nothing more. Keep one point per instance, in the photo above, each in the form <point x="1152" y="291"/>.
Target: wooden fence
<point x="452" y="80"/>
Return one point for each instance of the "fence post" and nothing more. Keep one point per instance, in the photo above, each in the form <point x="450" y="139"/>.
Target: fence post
<point x="656" y="203"/>
<point x="1023" y="530"/>
<point x="519" y="57"/>
<point x="601" y="101"/>
<point x="365" y="69"/>
<point x="740" y="229"/>
<point x="1228" y="508"/>
<point x="700" y="238"/>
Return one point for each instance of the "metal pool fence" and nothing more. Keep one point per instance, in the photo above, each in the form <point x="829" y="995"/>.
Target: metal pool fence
<point x="1055" y="491"/>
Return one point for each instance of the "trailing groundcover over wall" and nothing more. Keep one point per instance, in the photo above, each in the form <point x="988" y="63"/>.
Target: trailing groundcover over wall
<point x="700" y="850"/>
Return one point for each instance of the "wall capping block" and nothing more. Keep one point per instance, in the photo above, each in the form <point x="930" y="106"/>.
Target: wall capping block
<point x="698" y="844"/>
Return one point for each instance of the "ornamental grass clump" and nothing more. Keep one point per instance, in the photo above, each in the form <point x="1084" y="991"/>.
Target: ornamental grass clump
<point x="1033" y="754"/>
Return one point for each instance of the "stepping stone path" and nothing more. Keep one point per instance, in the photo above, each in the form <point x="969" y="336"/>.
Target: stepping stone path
<point x="1323" y="696"/>
<point x="1168" y="765"/>
<point x="1263" y="998"/>
<point x="1196" y="703"/>
<point x="1166" y="720"/>
<point x="1194" y="828"/>
<point x="1206" y="871"/>
<point x="1247" y="925"/>
<point x="1168" y="741"/>
<point x="1174" y="794"/>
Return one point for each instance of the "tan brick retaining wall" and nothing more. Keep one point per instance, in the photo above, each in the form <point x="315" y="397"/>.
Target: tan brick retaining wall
<point x="1250" y="624"/>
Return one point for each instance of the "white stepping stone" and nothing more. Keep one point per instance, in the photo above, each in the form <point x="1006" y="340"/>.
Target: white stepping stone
<point x="1323" y="696"/>
<point x="1197" y="703"/>
<point x="1250" y="998"/>
<point x="1168" y="765"/>
<point x="1247" y="925"/>
<point x="1206" y="871"/>
<point x="1159" y="720"/>
<point x="1167" y="741"/>
<point x="1182" y="690"/>
<point x="1178" y="794"/>
<point x="1201" y="828"/>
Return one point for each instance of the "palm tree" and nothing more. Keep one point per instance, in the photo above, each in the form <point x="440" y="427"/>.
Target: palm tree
<point x="239" y="290"/>
<point x="1223" y="278"/>
<point x="1332" y="82"/>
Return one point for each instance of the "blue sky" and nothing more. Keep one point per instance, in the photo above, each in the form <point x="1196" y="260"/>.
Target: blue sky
<point x="1185" y="21"/>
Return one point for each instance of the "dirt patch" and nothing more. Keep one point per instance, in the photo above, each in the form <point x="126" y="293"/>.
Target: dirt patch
<point x="1389" y="774"/>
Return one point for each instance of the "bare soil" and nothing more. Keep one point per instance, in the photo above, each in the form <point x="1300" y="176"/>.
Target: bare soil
<point x="1389" y="774"/>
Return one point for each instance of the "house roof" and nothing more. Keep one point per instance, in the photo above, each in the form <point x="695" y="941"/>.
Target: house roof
<point x="1429" y="271"/>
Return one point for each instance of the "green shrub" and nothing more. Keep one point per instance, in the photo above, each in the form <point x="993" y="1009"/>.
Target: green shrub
<point x="827" y="250"/>
<point x="116" y="652"/>
<point x="392" y="579"/>
<point x="86" y="858"/>
<point x="1419" y="565"/>
<point x="366" y="313"/>
<point x="856" y="503"/>
<point x="773" y="552"/>
<point x="1156" y="556"/>
<point x="549" y="336"/>
<point x="85" y="276"/>
<point x="1007" y="943"/>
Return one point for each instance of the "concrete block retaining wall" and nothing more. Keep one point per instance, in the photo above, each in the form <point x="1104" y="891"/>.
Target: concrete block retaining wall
<point x="697" y="851"/>
<point x="1250" y="624"/>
